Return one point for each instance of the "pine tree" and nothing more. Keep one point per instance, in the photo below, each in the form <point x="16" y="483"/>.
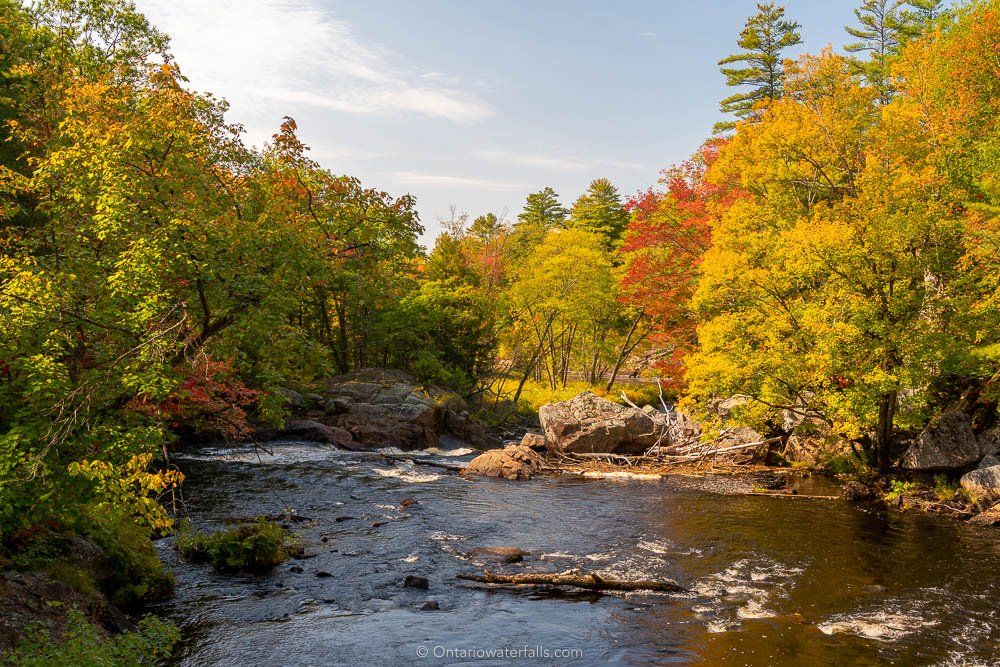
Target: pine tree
<point x="882" y="28"/>
<point x="542" y="213"/>
<point x="542" y="209"/>
<point x="600" y="210"/>
<point x="766" y="35"/>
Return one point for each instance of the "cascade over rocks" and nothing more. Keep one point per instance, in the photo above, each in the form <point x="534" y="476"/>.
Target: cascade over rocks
<point x="588" y="423"/>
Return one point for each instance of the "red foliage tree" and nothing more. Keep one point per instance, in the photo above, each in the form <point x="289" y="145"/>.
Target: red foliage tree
<point x="667" y="237"/>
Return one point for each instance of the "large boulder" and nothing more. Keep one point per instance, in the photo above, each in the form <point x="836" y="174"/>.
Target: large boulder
<point x="588" y="423"/>
<point x="310" y="430"/>
<point x="375" y="408"/>
<point x="982" y="483"/>
<point x="511" y="462"/>
<point x="947" y="444"/>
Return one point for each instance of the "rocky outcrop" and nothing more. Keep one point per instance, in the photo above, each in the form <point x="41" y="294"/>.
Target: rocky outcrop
<point x="379" y="408"/>
<point x="511" y="462"/>
<point x="947" y="444"/>
<point x="982" y="483"/>
<point x="309" y="430"/>
<point x="588" y="424"/>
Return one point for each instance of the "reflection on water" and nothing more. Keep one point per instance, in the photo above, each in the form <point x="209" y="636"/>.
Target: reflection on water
<point x="770" y="580"/>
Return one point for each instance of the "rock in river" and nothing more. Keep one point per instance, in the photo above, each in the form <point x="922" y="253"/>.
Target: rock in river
<point x="588" y="423"/>
<point x="511" y="462"/>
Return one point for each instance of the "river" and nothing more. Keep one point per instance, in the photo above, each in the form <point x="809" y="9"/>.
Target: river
<point x="771" y="581"/>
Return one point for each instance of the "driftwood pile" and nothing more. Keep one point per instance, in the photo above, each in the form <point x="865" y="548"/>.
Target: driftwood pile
<point x="679" y="442"/>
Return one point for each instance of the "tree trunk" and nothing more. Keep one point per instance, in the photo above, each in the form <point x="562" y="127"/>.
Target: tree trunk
<point x="883" y="436"/>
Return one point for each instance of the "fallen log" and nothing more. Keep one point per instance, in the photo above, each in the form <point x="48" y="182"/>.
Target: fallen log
<point x="454" y="467"/>
<point x="587" y="580"/>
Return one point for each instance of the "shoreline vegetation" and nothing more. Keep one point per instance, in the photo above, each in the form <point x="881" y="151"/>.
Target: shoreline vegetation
<point x="816" y="289"/>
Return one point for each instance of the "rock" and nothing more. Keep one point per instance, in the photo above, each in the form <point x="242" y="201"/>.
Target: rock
<point x="511" y="462"/>
<point x="856" y="491"/>
<point x="430" y="605"/>
<point x="726" y="406"/>
<point x="32" y="601"/>
<point x="982" y="482"/>
<point x="416" y="581"/>
<point x="990" y="517"/>
<point x="311" y="431"/>
<point x="588" y="423"/>
<point x="814" y="449"/>
<point x="291" y="397"/>
<point x="989" y="461"/>
<point x="499" y="554"/>
<point x="947" y="444"/>
<point x="534" y="441"/>
<point x="989" y="442"/>
<point x="407" y="502"/>
<point x="297" y="569"/>
<point x="323" y="575"/>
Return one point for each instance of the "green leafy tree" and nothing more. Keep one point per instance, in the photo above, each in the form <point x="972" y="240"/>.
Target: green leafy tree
<point x="764" y="39"/>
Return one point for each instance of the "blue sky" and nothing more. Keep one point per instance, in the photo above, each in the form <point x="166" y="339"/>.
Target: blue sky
<point x="476" y="103"/>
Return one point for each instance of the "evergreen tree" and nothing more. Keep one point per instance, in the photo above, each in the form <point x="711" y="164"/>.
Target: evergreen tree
<point x="542" y="209"/>
<point x="882" y="27"/>
<point x="600" y="210"/>
<point x="542" y="213"/>
<point x="766" y="35"/>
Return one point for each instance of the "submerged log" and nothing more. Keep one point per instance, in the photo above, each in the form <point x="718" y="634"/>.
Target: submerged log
<point x="576" y="579"/>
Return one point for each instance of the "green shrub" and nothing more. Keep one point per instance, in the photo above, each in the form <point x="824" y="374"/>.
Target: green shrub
<point x="255" y="547"/>
<point x="139" y="575"/>
<point x="900" y="489"/>
<point x="83" y="645"/>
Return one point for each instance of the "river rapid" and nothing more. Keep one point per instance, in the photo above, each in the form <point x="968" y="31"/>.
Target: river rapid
<point x="770" y="580"/>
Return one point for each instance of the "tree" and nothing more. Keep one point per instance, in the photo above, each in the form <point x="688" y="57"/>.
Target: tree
<point x="668" y="235"/>
<point x="600" y="211"/>
<point x="542" y="213"/>
<point x="882" y="27"/>
<point x="764" y="39"/>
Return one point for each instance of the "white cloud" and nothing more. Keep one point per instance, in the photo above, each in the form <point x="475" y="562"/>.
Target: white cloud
<point x="280" y="53"/>
<point x="553" y="163"/>
<point x="439" y="180"/>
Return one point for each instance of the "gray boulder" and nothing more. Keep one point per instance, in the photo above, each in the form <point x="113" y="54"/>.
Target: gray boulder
<point x="989" y="442"/>
<point x="588" y="423"/>
<point x="982" y="483"/>
<point x="947" y="444"/>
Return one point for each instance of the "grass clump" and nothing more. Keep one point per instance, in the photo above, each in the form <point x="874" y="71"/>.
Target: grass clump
<point x="82" y="644"/>
<point x="255" y="547"/>
<point x="947" y="491"/>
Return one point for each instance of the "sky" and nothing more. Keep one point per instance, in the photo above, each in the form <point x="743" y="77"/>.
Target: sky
<point x="473" y="104"/>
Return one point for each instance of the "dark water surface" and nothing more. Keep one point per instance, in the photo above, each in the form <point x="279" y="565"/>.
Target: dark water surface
<point x="773" y="581"/>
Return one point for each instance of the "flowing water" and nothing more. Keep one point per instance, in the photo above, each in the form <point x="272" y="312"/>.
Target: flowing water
<point x="771" y="581"/>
